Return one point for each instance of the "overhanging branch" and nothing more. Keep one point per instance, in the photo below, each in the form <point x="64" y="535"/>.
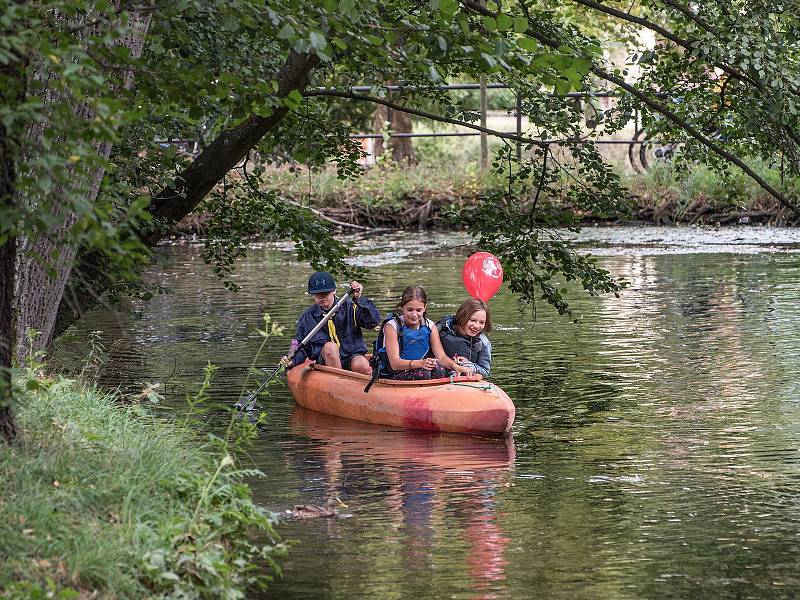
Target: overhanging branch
<point x="690" y="15"/>
<point x="657" y="107"/>
<point x="685" y="44"/>
<point x="427" y="115"/>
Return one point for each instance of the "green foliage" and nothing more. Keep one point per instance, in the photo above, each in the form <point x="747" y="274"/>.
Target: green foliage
<point x="732" y="72"/>
<point x="102" y="497"/>
<point x="525" y="237"/>
<point x="240" y="211"/>
<point x="703" y="187"/>
<point x="67" y="109"/>
<point x="209" y="67"/>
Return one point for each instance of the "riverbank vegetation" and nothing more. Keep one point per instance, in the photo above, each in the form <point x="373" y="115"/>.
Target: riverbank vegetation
<point x="431" y="193"/>
<point x="103" y="499"/>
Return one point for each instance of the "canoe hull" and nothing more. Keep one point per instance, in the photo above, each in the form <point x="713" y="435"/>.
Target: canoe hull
<point x="466" y="405"/>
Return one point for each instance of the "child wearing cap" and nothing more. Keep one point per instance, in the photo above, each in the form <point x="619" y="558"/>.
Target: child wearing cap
<point x="340" y="344"/>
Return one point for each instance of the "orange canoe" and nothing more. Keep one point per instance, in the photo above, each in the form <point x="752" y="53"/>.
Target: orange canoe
<point x="463" y="405"/>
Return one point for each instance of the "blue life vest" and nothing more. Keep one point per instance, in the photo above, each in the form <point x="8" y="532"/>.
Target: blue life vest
<point x="420" y="346"/>
<point x="416" y="342"/>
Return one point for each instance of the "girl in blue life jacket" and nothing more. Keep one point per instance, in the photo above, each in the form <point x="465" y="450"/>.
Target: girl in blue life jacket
<point x="464" y="338"/>
<point x="411" y="347"/>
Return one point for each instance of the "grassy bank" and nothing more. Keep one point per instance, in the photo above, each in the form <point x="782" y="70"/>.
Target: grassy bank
<point x="391" y="196"/>
<point x="104" y="500"/>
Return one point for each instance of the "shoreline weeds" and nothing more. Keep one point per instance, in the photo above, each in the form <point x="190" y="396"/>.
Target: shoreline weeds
<point x="428" y="215"/>
<point x="102" y="498"/>
<point x="427" y="196"/>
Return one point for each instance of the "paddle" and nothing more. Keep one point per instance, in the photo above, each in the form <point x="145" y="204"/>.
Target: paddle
<point x="249" y="402"/>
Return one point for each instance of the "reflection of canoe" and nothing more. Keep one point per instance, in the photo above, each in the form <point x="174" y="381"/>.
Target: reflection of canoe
<point x="464" y="405"/>
<point x="404" y="446"/>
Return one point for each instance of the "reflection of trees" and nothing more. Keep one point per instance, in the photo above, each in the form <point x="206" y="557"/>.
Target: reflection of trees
<point x="688" y="323"/>
<point x="439" y="493"/>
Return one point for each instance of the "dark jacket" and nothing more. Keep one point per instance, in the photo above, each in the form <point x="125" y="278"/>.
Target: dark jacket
<point x="477" y="350"/>
<point x="348" y="321"/>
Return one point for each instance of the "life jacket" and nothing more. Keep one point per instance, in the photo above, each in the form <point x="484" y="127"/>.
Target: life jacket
<point x="414" y="344"/>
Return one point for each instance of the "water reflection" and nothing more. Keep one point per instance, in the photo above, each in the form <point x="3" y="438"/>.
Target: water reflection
<point x="434" y="486"/>
<point x="656" y="447"/>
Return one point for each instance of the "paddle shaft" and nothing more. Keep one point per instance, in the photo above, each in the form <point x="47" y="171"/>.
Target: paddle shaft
<point x="250" y="402"/>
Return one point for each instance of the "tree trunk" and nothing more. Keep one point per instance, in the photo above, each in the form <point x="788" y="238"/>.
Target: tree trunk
<point x="399" y="122"/>
<point x="170" y="205"/>
<point x="12" y="92"/>
<point x="8" y="252"/>
<point x="38" y="291"/>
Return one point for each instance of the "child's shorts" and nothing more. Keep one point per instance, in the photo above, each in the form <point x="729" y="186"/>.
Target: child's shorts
<point x="419" y="374"/>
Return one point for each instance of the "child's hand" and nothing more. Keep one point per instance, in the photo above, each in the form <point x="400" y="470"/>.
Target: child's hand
<point x="464" y="371"/>
<point x="460" y="360"/>
<point x="285" y="361"/>
<point x="357" y="289"/>
<point x="429" y="363"/>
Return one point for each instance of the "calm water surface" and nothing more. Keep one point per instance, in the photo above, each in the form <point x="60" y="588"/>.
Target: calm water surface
<point x="654" y="454"/>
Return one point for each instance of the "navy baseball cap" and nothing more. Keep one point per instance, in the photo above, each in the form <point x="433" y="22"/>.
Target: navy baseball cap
<point x="321" y="282"/>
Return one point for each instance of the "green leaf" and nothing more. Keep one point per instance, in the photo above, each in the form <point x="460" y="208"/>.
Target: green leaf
<point x="528" y="44"/>
<point x="292" y="100"/>
<point x="448" y="8"/>
<point x="490" y="23"/>
<point x="581" y="65"/>
<point x="286" y="32"/>
<point x="504" y="22"/>
<point x="347" y="7"/>
<point x="520" y="24"/>
<point x="318" y="41"/>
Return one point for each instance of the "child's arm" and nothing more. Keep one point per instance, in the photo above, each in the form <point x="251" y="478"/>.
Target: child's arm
<point x="365" y="312"/>
<point x="483" y="362"/>
<point x="301" y="352"/>
<point x="441" y="355"/>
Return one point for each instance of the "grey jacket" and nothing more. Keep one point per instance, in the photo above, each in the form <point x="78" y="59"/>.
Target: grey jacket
<point x="477" y="350"/>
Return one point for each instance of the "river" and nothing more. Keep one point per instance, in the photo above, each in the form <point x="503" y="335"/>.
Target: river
<point x="654" y="453"/>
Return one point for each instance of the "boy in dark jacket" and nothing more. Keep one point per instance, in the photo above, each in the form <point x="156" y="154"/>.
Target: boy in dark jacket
<point x="340" y="344"/>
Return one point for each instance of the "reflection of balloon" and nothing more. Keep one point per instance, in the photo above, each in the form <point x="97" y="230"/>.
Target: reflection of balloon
<point x="482" y="275"/>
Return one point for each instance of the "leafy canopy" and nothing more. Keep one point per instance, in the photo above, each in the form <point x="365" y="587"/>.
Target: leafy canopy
<point x="212" y="69"/>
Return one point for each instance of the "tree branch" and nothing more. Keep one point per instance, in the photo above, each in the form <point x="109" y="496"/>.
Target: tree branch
<point x="690" y="15"/>
<point x="685" y="44"/>
<point x="659" y="108"/>
<point x="427" y="115"/>
<point x="193" y="184"/>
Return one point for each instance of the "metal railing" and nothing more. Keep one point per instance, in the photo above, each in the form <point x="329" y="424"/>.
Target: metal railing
<point x="516" y="111"/>
<point x="477" y="86"/>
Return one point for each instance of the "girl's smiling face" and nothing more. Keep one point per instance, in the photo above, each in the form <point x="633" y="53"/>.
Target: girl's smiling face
<point x="413" y="312"/>
<point x="475" y="324"/>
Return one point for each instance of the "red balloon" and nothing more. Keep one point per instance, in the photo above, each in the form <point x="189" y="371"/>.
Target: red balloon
<point x="482" y="275"/>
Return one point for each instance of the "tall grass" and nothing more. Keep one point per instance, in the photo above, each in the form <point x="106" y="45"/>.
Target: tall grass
<point x="693" y="186"/>
<point x="447" y="171"/>
<point x="108" y="499"/>
<point x="386" y="185"/>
